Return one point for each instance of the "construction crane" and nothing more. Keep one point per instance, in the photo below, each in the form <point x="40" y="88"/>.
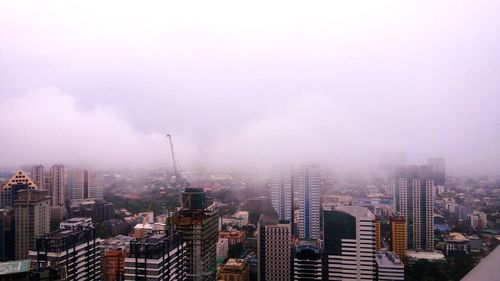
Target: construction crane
<point x="176" y="171"/>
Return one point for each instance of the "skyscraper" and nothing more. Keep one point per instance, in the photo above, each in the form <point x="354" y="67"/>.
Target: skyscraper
<point x="414" y="199"/>
<point x="56" y="188"/>
<point x="399" y="235"/>
<point x="349" y="243"/>
<point x="307" y="263"/>
<point x="38" y="176"/>
<point x="273" y="248"/>
<point x="7" y="233"/>
<point x="19" y="181"/>
<point x="308" y="196"/>
<point x="32" y="217"/>
<point x="198" y="224"/>
<point x="82" y="184"/>
<point x="281" y="195"/>
<point x="438" y="170"/>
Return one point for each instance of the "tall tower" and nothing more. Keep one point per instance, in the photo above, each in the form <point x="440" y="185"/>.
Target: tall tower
<point x="438" y="170"/>
<point x="414" y="199"/>
<point x="308" y="195"/>
<point x="82" y="184"/>
<point x="19" y="181"/>
<point x="273" y="249"/>
<point x="57" y="185"/>
<point x="198" y="224"/>
<point x="38" y="176"/>
<point x="399" y="235"/>
<point x="281" y="195"/>
<point x="32" y="216"/>
<point x="349" y="243"/>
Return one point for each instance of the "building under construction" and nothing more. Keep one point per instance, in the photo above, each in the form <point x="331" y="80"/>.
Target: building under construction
<point x="198" y="224"/>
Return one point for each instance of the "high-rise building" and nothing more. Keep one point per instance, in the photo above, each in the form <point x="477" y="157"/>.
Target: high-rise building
<point x="389" y="267"/>
<point x="157" y="257"/>
<point x="308" y="195"/>
<point x="115" y="250"/>
<point x="378" y="234"/>
<point x="307" y="261"/>
<point x="38" y="176"/>
<point x="7" y="234"/>
<point x="281" y="195"/>
<point x="32" y="217"/>
<point x="349" y="243"/>
<point x="438" y="170"/>
<point x="274" y="248"/>
<point x="399" y="235"/>
<point x="82" y="184"/>
<point x="76" y="250"/>
<point x="414" y="199"/>
<point x="57" y="180"/>
<point x="234" y="270"/>
<point x="198" y="224"/>
<point x="19" y="181"/>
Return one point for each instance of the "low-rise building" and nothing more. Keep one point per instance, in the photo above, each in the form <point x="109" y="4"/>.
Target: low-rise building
<point x="234" y="236"/>
<point x="234" y="270"/>
<point x="389" y="267"/>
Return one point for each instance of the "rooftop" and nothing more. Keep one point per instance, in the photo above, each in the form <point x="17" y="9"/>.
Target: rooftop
<point x="387" y="259"/>
<point x="12" y="267"/>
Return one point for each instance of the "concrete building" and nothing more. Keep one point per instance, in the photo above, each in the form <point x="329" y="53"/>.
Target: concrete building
<point x="349" y="243"/>
<point x="7" y="234"/>
<point x="307" y="261"/>
<point x="83" y="184"/>
<point x="234" y="270"/>
<point x="273" y="249"/>
<point x="399" y="235"/>
<point x="32" y="219"/>
<point x="75" y="222"/>
<point x="308" y="197"/>
<point x="115" y="250"/>
<point x="281" y="195"/>
<point x="222" y="249"/>
<point x="378" y="234"/>
<point x="389" y="267"/>
<point x="38" y="176"/>
<point x="157" y="257"/>
<point x="57" y="187"/>
<point x="234" y="236"/>
<point x="198" y="224"/>
<point x="478" y="219"/>
<point x="19" y="181"/>
<point x="75" y="250"/>
<point x="414" y="199"/>
<point x="457" y="244"/>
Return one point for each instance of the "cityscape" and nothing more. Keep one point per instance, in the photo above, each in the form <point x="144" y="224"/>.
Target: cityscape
<point x="263" y="141"/>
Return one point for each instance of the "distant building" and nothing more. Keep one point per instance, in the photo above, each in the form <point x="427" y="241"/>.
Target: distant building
<point x="157" y="257"/>
<point x="32" y="217"/>
<point x="378" y="234"/>
<point x="38" y="176"/>
<point x="432" y="256"/>
<point x="478" y="219"/>
<point x="198" y="224"/>
<point x="234" y="270"/>
<point x="389" y="267"/>
<point x="19" y="181"/>
<point x="222" y="248"/>
<point x="349" y="243"/>
<point x="98" y="209"/>
<point x="307" y="261"/>
<point x="438" y="170"/>
<point x="337" y="200"/>
<point x="7" y="234"/>
<point x="399" y="235"/>
<point x="281" y="195"/>
<point x="273" y="249"/>
<point x="414" y="199"/>
<point x="234" y="236"/>
<point x="76" y="222"/>
<point x="57" y="185"/>
<point x="457" y="244"/>
<point x="83" y="184"/>
<point x="76" y="250"/>
<point x="308" y="197"/>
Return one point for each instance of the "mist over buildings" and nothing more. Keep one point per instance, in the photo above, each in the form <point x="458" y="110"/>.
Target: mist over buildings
<point x="251" y="85"/>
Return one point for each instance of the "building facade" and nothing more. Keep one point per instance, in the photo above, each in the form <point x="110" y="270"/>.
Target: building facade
<point x="349" y="243"/>
<point x="389" y="267"/>
<point x="273" y="249"/>
<point x="157" y="257"/>
<point x="308" y="197"/>
<point x="19" y="181"/>
<point x="38" y="176"/>
<point x="399" y="235"/>
<point x="32" y="219"/>
<point x="281" y="195"/>
<point x="83" y="184"/>
<point x="307" y="261"/>
<point x="7" y="234"/>
<point x="235" y="270"/>
<point x="198" y="224"/>
<point x="75" y="250"/>
<point x="414" y="199"/>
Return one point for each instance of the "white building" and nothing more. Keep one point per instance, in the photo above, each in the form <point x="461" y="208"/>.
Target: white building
<point x="349" y="243"/>
<point x="281" y="195"/>
<point x="222" y="247"/>
<point x="308" y="197"/>
<point x="389" y="267"/>
<point x="274" y="249"/>
<point x="478" y="219"/>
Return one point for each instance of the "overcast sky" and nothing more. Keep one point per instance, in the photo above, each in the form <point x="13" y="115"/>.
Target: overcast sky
<point x="264" y="82"/>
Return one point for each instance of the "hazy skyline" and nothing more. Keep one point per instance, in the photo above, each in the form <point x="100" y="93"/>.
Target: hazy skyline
<point x="250" y="84"/>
